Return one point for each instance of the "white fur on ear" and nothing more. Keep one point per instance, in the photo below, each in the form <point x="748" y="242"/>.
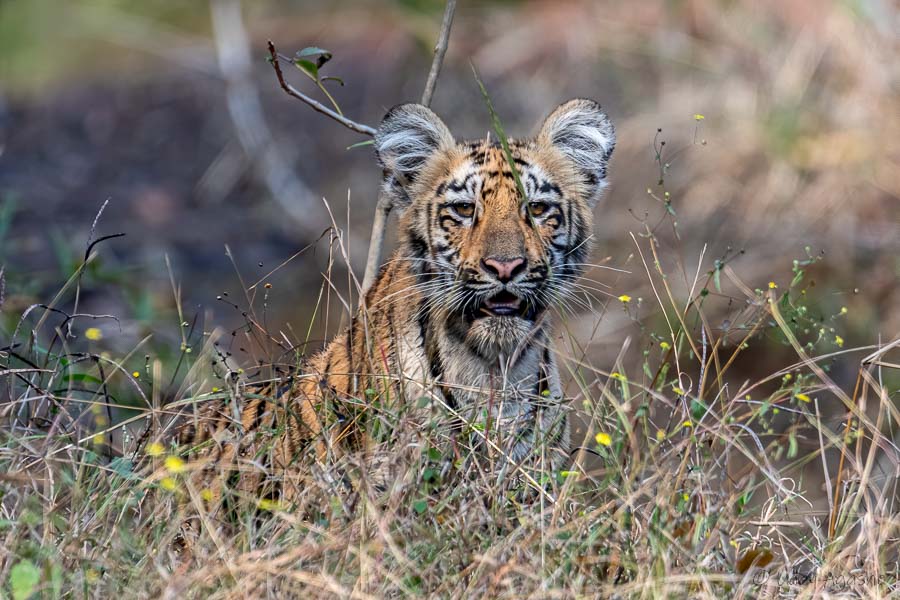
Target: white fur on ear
<point x="408" y="136"/>
<point x="584" y="134"/>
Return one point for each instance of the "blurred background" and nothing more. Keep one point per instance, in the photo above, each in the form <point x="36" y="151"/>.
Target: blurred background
<point x="780" y="120"/>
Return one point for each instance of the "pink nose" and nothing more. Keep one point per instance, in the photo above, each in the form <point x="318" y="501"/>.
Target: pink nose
<point x="504" y="270"/>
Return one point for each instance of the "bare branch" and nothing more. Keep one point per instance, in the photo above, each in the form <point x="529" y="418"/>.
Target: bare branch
<point x="440" y="48"/>
<point x="317" y="106"/>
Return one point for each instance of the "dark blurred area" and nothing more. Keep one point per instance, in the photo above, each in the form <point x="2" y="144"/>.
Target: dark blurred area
<point x="795" y="154"/>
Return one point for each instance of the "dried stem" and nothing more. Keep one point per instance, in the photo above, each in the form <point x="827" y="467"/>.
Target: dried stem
<point x="317" y="106"/>
<point x="376" y="242"/>
<point x="383" y="208"/>
<point x="440" y="48"/>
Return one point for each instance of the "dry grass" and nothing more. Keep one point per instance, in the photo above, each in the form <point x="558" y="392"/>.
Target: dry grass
<point x="690" y="484"/>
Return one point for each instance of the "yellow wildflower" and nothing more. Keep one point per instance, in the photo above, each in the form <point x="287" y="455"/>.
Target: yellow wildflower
<point x="136" y="374"/>
<point x="168" y="483"/>
<point x="699" y="117"/>
<point x="625" y="298"/>
<point x="802" y="397"/>
<point x="266" y="504"/>
<point x="665" y="345"/>
<point x="688" y="424"/>
<point x="603" y="439"/>
<point x="618" y="376"/>
<point x="839" y="341"/>
<point x="773" y="285"/>
<point x="155" y="449"/>
<point x="93" y="333"/>
<point x="206" y="494"/>
<point x="174" y="464"/>
<point x="843" y="310"/>
<point x="660" y="435"/>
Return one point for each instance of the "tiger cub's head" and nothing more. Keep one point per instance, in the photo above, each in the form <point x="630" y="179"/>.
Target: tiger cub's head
<point x="493" y="253"/>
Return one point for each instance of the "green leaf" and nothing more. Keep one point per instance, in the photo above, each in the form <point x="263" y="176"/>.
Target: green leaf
<point x="785" y="302"/>
<point x="309" y="67"/>
<point x="322" y="55"/>
<point x="420" y="506"/>
<point x="430" y="475"/>
<point x="793" y="446"/>
<point x="360" y="144"/>
<point x="23" y="578"/>
<point x="123" y="467"/>
<point x="85" y="378"/>
<point x="698" y="409"/>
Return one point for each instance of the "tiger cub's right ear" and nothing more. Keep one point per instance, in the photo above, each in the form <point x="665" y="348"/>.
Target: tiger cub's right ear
<point x="408" y="136"/>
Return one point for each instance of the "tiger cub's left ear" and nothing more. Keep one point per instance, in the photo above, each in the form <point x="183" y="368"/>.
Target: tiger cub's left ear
<point x="584" y="134"/>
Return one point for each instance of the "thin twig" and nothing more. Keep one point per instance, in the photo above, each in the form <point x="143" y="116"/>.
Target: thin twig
<point x="440" y="48"/>
<point x="376" y="242"/>
<point x="317" y="106"/>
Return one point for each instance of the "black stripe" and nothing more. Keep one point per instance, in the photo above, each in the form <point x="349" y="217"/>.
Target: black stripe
<point x="460" y="187"/>
<point x="417" y="245"/>
<point x="448" y="218"/>
<point x="350" y="335"/>
<point x="550" y="187"/>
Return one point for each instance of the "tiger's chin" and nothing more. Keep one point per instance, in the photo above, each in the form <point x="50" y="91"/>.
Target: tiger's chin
<point x="493" y="336"/>
<point x="499" y="324"/>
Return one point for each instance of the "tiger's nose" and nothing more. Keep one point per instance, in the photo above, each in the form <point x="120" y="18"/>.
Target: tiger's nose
<point x="504" y="269"/>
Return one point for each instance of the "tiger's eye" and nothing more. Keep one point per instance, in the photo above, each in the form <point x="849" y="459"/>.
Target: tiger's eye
<point x="465" y="209"/>
<point x="536" y="209"/>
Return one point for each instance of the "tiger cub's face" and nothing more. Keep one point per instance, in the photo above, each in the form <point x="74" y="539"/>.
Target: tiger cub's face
<point x="492" y="253"/>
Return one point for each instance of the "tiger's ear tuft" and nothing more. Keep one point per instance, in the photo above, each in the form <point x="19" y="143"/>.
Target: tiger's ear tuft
<point x="409" y="135"/>
<point x="583" y="133"/>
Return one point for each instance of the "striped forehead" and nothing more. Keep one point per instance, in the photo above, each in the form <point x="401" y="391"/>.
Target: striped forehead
<point x="482" y="169"/>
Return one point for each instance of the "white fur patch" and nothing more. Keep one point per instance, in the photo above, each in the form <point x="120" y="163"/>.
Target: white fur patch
<point x="408" y="136"/>
<point x="584" y="134"/>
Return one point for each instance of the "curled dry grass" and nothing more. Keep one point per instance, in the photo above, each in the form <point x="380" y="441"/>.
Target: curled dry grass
<point x="689" y="484"/>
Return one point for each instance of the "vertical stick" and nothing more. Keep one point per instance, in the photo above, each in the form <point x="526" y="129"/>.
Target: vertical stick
<point x="384" y="207"/>
<point x="440" y="48"/>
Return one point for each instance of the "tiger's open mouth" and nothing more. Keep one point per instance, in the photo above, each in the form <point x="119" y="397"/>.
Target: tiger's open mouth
<point x="503" y="304"/>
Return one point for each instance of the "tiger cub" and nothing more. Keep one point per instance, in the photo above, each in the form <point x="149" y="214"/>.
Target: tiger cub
<point x="455" y="330"/>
